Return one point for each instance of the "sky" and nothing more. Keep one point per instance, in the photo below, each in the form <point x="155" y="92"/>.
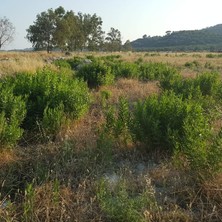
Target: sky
<point x="133" y="18"/>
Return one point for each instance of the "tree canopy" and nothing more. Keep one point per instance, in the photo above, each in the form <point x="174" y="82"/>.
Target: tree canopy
<point x="65" y="30"/>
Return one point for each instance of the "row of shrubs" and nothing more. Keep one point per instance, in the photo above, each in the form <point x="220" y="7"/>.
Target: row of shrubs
<point x="97" y="71"/>
<point x="39" y="103"/>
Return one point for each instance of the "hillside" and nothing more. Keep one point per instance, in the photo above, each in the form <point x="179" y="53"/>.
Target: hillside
<point x="194" y="40"/>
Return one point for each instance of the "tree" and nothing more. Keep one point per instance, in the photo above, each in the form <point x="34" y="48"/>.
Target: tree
<point x="41" y="34"/>
<point x="92" y="35"/>
<point x="127" y="46"/>
<point x="7" y="31"/>
<point x="66" y="31"/>
<point x="113" y="40"/>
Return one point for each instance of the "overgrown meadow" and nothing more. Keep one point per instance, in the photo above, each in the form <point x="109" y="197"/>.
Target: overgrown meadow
<point x="110" y="137"/>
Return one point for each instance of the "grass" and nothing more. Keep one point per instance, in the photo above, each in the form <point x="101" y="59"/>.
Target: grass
<point x="86" y="175"/>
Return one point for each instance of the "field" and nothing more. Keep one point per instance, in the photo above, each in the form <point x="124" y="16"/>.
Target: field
<point x="110" y="137"/>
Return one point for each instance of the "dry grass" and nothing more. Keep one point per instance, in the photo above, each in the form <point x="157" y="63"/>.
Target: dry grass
<point x="14" y="62"/>
<point x="131" y="89"/>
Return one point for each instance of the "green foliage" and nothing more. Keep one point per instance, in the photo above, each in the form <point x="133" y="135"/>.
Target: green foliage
<point x="156" y="71"/>
<point x="49" y="99"/>
<point x="210" y="55"/>
<point x="192" y="40"/>
<point x="119" y="203"/>
<point x="118" y="122"/>
<point x="214" y="157"/>
<point x="66" y="30"/>
<point x="74" y="62"/>
<point x="125" y="70"/>
<point x="113" y="40"/>
<point x="161" y="122"/>
<point x="105" y="95"/>
<point x="192" y="65"/>
<point x="12" y="113"/>
<point x="52" y="121"/>
<point x="28" y="205"/>
<point x="206" y="84"/>
<point x="96" y="73"/>
<point x="62" y="63"/>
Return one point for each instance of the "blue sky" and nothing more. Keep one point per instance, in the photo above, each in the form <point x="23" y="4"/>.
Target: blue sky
<point x="133" y="18"/>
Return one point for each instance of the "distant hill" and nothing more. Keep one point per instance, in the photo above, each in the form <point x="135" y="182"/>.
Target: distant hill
<point x="192" y="40"/>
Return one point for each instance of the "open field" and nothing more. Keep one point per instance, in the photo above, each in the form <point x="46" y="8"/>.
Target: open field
<point x="142" y="140"/>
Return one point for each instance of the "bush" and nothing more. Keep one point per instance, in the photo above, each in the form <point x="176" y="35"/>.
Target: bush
<point x="125" y="69"/>
<point x="62" y="63"/>
<point x="12" y="113"/>
<point x="74" y="62"/>
<point x="96" y="73"/>
<point x="119" y="203"/>
<point x="207" y="84"/>
<point x="49" y="96"/>
<point x="118" y="122"/>
<point x="195" y="64"/>
<point x="156" y="71"/>
<point x="161" y="122"/>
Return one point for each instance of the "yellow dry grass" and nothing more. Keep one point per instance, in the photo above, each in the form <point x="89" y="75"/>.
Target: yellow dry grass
<point x="131" y="89"/>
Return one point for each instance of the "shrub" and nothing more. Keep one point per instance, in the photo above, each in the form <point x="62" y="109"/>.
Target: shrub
<point x="74" y="62"/>
<point x="50" y="95"/>
<point x="124" y="204"/>
<point x="12" y="113"/>
<point x="206" y="84"/>
<point x="118" y="122"/>
<point x="156" y="71"/>
<point x="161" y="122"/>
<point x="62" y="63"/>
<point x="210" y="55"/>
<point x="195" y="64"/>
<point x="126" y="70"/>
<point x="96" y="73"/>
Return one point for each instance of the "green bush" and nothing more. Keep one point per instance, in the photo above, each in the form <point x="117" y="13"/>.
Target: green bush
<point x="156" y="71"/>
<point x="119" y="121"/>
<point x="206" y="84"/>
<point x="46" y="94"/>
<point x="12" y="113"/>
<point x="119" y="203"/>
<point x="62" y="63"/>
<point x="126" y="70"/>
<point x="161" y="122"/>
<point x="194" y="64"/>
<point x="210" y="55"/>
<point x="74" y="62"/>
<point x="96" y="73"/>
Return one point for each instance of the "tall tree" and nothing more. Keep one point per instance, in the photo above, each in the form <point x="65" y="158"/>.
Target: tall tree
<point x="127" y="46"/>
<point x="66" y="31"/>
<point x="41" y="34"/>
<point x="91" y="29"/>
<point x="7" y="31"/>
<point x="113" y="40"/>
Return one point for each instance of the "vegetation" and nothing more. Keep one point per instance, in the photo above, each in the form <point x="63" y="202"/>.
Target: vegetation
<point x="65" y="30"/>
<point x="193" y="40"/>
<point x="119" y="137"/>
<point x="43" y="101"/>
<point x="7" y="31"/>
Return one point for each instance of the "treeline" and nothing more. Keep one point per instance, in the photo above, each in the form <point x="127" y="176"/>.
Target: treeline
<point x="67" y="31"/>
<point x="193" y="40"/>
